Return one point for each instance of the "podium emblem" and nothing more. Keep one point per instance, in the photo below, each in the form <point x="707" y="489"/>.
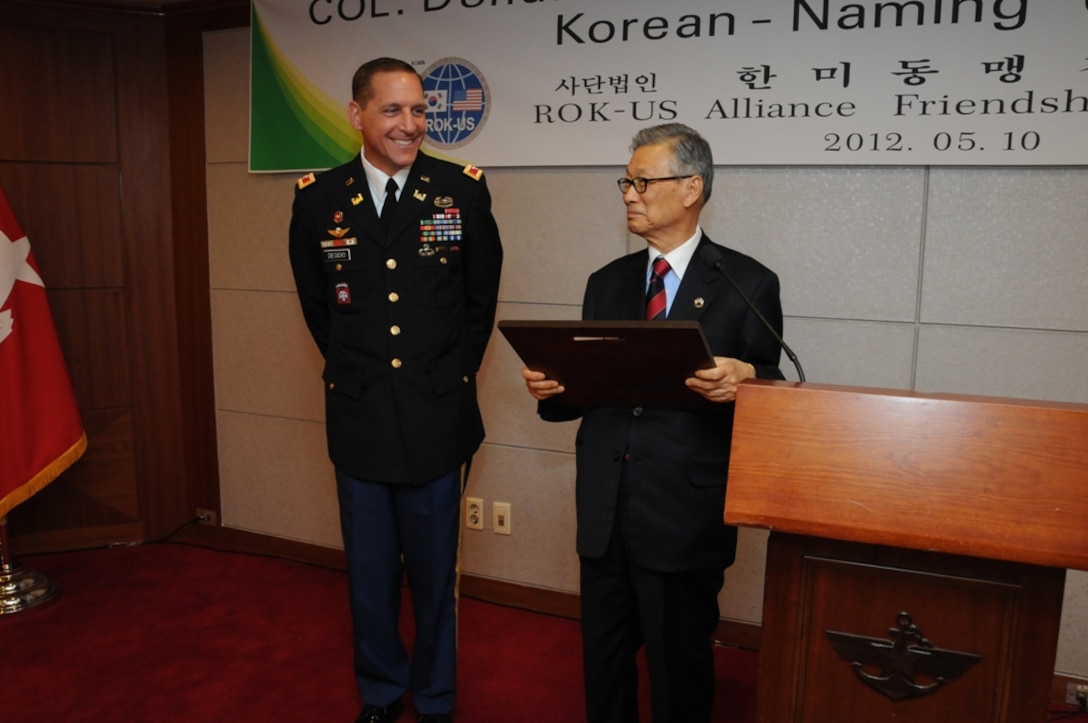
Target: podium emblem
<point x="907" y="666"/>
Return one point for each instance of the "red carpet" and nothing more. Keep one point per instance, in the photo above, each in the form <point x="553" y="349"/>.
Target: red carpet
<point x="170" y="632"/>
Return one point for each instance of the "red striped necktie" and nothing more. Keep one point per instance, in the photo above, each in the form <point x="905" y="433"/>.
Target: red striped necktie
<point x="655" y="294"/>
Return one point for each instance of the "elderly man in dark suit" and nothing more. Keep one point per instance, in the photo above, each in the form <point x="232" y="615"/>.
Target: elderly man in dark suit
<point x="651" y="482"/>
<point x="401" y="304"/>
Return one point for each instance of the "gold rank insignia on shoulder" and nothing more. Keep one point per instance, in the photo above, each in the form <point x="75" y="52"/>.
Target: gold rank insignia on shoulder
<point x="473" y="172"/>
<point x="306" y="180"/>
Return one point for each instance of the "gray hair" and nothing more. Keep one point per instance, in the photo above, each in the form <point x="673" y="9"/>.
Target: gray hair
<point x="691" y="151"/>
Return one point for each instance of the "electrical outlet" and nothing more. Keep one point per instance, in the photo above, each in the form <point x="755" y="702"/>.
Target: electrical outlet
<point x="501" y="511"/>
<point x="1077" y="694"/>
<point x="474" y="513"/>
<point x="206" y="517"/>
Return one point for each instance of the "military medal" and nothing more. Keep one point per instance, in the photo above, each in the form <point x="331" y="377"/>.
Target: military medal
<point x="441" y="229"/>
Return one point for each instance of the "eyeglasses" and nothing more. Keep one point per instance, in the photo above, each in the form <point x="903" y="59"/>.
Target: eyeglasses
<point x="641" y="183"/>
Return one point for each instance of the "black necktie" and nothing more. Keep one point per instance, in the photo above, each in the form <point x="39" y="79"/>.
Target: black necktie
<point x="390" y="204"/>
<point x="655" y="294"/>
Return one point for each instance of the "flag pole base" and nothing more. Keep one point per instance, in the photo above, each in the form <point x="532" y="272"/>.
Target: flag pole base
<point x="22" y="589"/>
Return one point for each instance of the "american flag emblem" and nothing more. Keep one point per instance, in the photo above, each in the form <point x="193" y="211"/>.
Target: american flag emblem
<point x="468" y="100"/>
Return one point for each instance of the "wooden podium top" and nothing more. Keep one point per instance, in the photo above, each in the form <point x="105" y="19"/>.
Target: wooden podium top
<point x="1004" y="479"/>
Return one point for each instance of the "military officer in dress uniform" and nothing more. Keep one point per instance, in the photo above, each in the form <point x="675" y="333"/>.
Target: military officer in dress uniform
<point x="396" y="258"/>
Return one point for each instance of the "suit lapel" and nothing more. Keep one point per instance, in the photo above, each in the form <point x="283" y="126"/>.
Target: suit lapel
<point x="418" y="196"/>
<point x="632" y="296"/>
<point x="697" y="289"/>
<point x="358" y="207"/>
<point x="414" y="199"/>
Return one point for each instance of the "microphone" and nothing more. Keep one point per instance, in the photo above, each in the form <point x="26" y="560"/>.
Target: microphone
<point x="712" y="257"/>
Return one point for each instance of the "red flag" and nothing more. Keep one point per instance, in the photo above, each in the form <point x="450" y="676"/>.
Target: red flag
<point x="41" y="433"/>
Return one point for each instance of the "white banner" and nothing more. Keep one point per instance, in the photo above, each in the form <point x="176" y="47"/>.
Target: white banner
<point x="790" y="82"/>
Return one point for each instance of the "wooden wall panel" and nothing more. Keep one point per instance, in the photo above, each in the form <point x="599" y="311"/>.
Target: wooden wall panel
<point x="63" y="81"/>
<point x="98" y="491"/>
<point x="60" y="169"/>
<point x="72" y="214"/>
<point x="93" y="335"/>
<point x="104" y="160"/>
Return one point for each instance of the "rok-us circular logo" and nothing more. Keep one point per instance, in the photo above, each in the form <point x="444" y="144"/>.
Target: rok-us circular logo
<point x="458" y="102"/>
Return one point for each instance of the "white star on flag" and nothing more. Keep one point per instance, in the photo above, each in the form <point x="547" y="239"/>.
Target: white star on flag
<point x="13" y="267"/>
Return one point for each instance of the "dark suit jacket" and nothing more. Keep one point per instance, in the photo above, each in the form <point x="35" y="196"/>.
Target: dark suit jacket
<point x="678" y="460"/>
<point x="402" y="318"/>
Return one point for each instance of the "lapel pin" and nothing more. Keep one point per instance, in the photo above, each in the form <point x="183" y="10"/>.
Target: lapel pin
<point x="699" y="303"/>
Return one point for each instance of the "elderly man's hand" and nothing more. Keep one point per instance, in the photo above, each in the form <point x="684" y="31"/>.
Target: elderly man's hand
<point x="539" y="385"/>
<point x="719" y="384"/>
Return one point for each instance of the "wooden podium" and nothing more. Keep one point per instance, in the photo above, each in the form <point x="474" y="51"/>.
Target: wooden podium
<point x="918" y="547"/>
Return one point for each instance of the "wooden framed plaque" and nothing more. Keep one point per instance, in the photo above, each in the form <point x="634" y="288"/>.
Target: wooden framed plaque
<point x="616" y="363"/>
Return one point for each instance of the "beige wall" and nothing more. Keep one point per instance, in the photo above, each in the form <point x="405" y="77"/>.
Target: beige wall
<point x="937" y="279"/>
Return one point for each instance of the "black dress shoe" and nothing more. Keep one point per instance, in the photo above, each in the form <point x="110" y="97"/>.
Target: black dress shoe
<point x="436" y="718"/>
<point x="380" y="714"/>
